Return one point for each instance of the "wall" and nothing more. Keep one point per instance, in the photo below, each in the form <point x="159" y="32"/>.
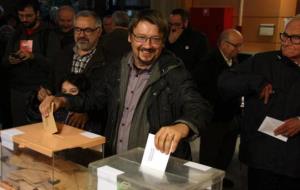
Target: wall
<point x="255" y="12"/>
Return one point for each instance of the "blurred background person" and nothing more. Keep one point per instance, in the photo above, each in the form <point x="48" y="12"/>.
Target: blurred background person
<point x="218" y="140"/>
<point x="185" y="43"/>
<point x="116" y="42"/>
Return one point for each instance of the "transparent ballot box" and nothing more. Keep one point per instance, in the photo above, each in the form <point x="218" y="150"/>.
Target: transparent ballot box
<point x="32" y="158"/>
<point x="180" y="174"/>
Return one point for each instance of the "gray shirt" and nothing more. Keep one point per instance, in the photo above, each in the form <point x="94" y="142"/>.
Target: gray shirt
<point x="136" y="84"/>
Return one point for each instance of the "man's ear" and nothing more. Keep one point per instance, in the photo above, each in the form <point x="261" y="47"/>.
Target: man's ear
<point x="129" y="38"/>
<point x="186" y="24"/>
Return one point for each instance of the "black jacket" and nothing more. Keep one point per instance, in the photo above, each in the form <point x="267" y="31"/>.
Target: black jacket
<point x="172" y="99"/>
<point x="206" y="75"/>
<point x="191" y="47"/>
<point x="248" y="78"/>
<point x="29" y="74"/>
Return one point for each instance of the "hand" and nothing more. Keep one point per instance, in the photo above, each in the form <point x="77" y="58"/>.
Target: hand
<point x="266" y="92"/>
<point x="43" y="93"/>
<point x="25" y="55"/>
<point x="14" y="59"/>
<point x="174" y="34"/>
<point x="77" y="119"/>
<point x="45" y="106"/>
<point x="168" y="137"/>
<point x="290" y="128"/>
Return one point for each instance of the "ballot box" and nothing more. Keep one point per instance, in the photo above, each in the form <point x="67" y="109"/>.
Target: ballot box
<point x="123" y="172"/>
<point x="33" y="158"/>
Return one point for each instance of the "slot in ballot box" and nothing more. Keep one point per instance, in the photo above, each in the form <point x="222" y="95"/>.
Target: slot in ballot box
<point x="32" y="158"/>
<point x="123" y="172"/>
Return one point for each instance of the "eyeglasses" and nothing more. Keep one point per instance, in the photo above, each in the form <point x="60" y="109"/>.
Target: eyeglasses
<point x="234" y="45"/>
<point x="294" y="39"/>
<point x="176" y="24"/>
<point x="143" y="39"/>
<point x="87" y="31"/>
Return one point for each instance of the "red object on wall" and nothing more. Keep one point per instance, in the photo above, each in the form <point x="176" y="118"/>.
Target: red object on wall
<point x="211" y="21"/>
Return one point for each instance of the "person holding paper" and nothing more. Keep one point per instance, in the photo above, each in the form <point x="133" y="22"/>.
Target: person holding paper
<point x="270" y="82"/>
<point x="147" y="91"/>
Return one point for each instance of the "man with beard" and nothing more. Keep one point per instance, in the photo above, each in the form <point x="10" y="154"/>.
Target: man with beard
<point x="25" y="58"/>
<point x="86" y="57"/>
<point x="148" y="91"/>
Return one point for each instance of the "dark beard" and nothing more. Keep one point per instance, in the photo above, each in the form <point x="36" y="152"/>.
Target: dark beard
<point x="30" y="25"/>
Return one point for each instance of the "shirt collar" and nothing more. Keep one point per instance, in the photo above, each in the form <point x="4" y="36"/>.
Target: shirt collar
<point x="92" y="51"/>
<point x="228" y="61"/>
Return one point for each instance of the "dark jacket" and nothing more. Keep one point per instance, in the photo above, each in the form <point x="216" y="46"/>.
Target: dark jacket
<point x="30" y="74"/>
<point x="257" y="149"/>
<point x="191" y="47"/>
<point x="62" y="64"/>
<point x="94" y="70"/>
<point x="172" y="98"/>
<point x="206" y="75"/>
<point x="116" y="44"/>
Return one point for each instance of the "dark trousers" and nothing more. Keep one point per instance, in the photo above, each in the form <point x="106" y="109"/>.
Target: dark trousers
<point x="259" y="179"/>
<point x="19" y="98"/>
<point x="218" y="144"/>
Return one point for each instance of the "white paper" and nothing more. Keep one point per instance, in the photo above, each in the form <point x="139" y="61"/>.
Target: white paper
<point x="268" y="126"/>
<point x="89" y="135"/>
<point x="8" y="144"/>
<point x="197" y="166"/>
<point x="107" y="178"/>
<point x="6" y="137"/>
<point x="152" y="157"/>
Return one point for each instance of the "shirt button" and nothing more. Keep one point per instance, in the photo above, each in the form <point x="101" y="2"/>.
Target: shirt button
<point x="123" y="124"/>
<point x="121" y="141"/>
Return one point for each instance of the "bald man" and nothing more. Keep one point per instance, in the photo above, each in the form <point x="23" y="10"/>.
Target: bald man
<point x="65" y="18"/>
<point x="218" y="141"/>
<point x="270" y="82"/>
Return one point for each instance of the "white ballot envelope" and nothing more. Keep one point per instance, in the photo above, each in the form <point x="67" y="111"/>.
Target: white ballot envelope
<point x="268" y="126"/>
<point x="153" y="158"/>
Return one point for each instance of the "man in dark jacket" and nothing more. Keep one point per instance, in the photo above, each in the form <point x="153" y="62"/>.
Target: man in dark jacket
<point x="218" y="139"/>
<point x="116" y="42"/>
<point x="26" y="58"/>
<point x="148" y="92"/>
<point x="270" y="83"/>
<point x="185" y="43"/>
<point x="86" y="57"/>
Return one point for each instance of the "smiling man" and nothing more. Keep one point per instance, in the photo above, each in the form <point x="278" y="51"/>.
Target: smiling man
<point x="149" y="91"/>
<point x="270" y="82"/>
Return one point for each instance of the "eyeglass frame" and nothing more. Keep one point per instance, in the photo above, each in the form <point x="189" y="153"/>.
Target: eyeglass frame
<point x="143" y="39"/>
<point x="234" y="45"/>
<point x="86" y="31"/>
<point x="290" y="37"/>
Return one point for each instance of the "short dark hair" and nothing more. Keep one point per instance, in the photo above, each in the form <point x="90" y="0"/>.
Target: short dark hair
<point x="182" y="12"/>
<point x="152" y="16"/>
<point x="79" y="80"/>
<point x="22" y="4"/>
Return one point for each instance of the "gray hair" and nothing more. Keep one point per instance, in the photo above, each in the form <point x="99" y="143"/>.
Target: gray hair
<point x="92" y="14"/>
<point x="120" y="18"/>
